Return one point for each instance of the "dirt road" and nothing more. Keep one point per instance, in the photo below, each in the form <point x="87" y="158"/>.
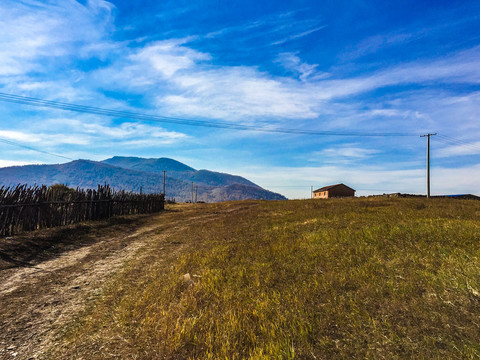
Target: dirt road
<point x="48" y="277"/>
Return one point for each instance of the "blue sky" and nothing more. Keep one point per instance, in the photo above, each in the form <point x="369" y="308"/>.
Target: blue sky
<point x="409" y="67"/>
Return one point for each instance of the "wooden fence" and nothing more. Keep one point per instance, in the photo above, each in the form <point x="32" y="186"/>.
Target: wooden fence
<point x="24" y="208"/>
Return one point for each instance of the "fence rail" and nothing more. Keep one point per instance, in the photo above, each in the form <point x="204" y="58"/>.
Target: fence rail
<point x="24" y="208"/>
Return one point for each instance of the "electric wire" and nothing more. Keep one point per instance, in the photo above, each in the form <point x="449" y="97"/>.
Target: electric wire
<point x="458" y="142"/>
<point x="12" y="98"/>
<point x="33" y="149"/>
<point x="17" y="99"/>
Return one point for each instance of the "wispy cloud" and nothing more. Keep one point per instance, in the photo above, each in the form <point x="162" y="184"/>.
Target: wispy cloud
<point x="285" y="26"/>
<point x="305" y="71"/>
<point x="380" y="42"/>
<point x="43" y="138"/>
<point x="193" y="86"/>
<point x="236" y="29"/>
<point x="344" y="151"/>
<point x="105" y="131"/>
<point x="167" y="57"/>
<point x="47" y="32"/>
<point x="87" y="133"/>
<point x="460" y="149"/>
<point x="412" y="33"/>
<point x="298" y="35"/>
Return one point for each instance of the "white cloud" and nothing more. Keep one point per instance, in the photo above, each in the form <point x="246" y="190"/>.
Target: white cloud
<point x="7" y="163"/>
<point x="237" y="92"/>
<point x="125" y="130"/>
<point x="409" y="34"/>
<point x="462" y="67"/>
<point x="305" y="71"/>
<point x="189" y="84"/>
<point x="17" y="135"/>
<point x="84" y="135"/>
<point x="459" y="180"/>
<point x="92" y="130"/>
<point x="381" y="41"/>
<point x="298" y="35"/>
<point x="271" y="30"/>
<point x="345" y="151"/>
<point x="36" y="30"/>
<point x="167" y="57"/>
<point x="459" y="150"/>
<point x="42" y="138"/>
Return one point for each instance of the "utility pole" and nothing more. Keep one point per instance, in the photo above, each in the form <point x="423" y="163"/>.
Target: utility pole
<point x="164" y="171"/>
<point x="428" y="161"/>
<point x="140" y="190"/>
<point x="192" y="191"/>
<point x="311" y="192"/>
<point x="196" y="193"/>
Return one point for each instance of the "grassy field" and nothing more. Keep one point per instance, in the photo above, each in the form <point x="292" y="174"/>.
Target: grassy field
<point x="324" y="279"/>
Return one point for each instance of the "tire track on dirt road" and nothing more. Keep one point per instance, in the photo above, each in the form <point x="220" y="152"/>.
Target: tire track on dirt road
<point x="38" y="299"/>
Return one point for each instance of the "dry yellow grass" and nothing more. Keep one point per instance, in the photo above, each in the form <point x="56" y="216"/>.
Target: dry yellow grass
<point x="325" y="279"/>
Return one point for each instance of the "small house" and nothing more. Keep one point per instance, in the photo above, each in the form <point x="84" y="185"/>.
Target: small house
<point x="333" y="191"/>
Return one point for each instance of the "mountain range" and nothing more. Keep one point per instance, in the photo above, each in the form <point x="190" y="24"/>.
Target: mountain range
<point x="140" y="174"/>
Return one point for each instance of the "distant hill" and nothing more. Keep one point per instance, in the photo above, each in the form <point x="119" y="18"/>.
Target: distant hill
<point x="149" y="165"/>
<point x="178" y="170"/>
<point x="128" y="173"/>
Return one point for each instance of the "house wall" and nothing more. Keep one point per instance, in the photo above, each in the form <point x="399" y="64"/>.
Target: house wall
<point x="341" y="191"/>
<point x="320" y="195"/>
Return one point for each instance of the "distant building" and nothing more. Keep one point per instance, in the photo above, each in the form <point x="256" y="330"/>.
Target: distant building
<point x="332" y="191"/>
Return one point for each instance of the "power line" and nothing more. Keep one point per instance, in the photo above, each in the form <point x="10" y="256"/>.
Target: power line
<point x="458" y="142"/>
<point x="32" y="148"/>
<point x="452" y="139"/>
<point x="17" y="99"/>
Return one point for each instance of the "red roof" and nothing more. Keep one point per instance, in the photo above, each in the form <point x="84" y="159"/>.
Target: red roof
<point x="326" y="188"/>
